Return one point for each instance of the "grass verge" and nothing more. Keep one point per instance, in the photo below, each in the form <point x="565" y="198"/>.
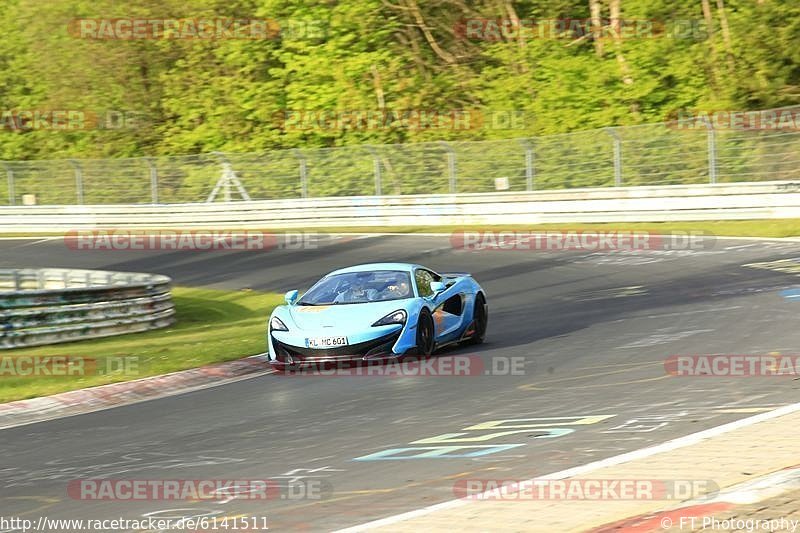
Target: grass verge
<point x="211" y="326"/>
<point x="789" y="227"/>
<point x="786" y="227"/>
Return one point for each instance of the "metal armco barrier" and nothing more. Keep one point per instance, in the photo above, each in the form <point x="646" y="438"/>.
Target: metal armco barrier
<point x="48" y="306"/>
<point x="725" y="201"/>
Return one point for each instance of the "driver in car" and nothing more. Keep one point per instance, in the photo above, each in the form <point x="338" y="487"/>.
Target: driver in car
<point x="396" y="290"/>
<point x="356" y="293"/>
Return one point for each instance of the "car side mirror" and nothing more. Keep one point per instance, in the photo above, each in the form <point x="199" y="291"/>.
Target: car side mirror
<point x="437" y="287"/>
<point x="291" y="297"/>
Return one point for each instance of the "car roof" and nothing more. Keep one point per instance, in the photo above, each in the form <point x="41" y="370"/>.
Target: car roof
<point x="369" y="267"/>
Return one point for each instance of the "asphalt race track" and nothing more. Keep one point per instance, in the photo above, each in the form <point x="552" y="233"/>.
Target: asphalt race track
<point x="593" y="329"/>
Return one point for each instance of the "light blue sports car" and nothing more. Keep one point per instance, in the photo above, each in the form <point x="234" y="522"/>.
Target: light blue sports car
<point x="379" y="311"/>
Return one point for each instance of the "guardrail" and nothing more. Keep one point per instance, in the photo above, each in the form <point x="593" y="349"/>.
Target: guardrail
<point x="728" y="201"/>
<point x="48" y="306"/>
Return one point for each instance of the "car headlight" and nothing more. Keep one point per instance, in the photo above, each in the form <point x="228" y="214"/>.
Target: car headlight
<point x="276" y="324"/>
<point x="395" y="317"/>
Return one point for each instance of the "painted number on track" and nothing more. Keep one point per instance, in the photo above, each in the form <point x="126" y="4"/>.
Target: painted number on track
<point x="446" y="447"/>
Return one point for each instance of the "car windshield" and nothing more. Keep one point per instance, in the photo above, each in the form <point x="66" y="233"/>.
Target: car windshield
<point x="359" y="287"/>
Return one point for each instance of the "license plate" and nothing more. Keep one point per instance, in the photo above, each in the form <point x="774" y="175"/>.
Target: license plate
<point x="326" y="342"/>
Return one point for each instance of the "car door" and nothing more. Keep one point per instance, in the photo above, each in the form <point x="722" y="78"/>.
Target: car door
<point x="448" y="305"/>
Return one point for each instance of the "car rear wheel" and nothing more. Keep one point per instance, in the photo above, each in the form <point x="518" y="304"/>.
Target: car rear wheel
<point x="425" y="333"/>
<point x="480" y="319"/>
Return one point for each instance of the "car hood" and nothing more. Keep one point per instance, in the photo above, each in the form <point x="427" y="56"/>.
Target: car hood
<point x="343" y="316"/>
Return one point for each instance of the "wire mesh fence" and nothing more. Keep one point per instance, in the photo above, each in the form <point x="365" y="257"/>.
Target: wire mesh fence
<point x="678" y="152"/>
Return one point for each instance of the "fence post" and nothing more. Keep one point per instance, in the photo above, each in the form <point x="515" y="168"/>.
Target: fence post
<point x="153" y="180"/>
<point x="78" y="180"/>
<point x="12" y="196"/>
<point x="712" y="150"/>
<point x="617" y="155"/>
<point x="451" y="166"/>
<point x="303" y="172"/>
<point x="530" y="172"/>
<point x="376" y="166"/>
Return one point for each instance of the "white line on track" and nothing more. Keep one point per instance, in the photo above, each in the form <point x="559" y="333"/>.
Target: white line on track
<point x="39" y="241"/>
<point x="741" y="246"/>
<point x="670" y="445"/>
<point x="41" y="238"/>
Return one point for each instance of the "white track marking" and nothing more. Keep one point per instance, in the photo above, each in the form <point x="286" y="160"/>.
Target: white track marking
<point x="741" y="246"/>
<point x="40" y="237"/>
<point x="38" y="241"/>
<point x="760" y="489"/>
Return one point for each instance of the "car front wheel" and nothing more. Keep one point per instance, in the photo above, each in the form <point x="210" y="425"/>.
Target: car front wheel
<point x="480" y="319"/>
<point x="425" y="333"/>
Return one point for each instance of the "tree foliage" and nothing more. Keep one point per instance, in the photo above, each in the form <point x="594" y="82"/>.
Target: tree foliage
<point x="198" y="96"/>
